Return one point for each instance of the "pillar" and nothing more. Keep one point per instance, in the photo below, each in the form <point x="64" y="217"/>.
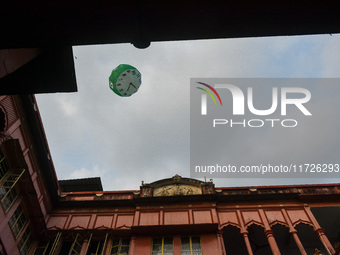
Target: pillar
<point x="324" y="240"/>
<point x="132" y="245"/>
<point x="221" y="242"/>
<point x="84" y="247"/>
<point x="272" y="243"/>
<point x="320" y="232"/>
<point x="244" y="232"/>
<point x="269" y="234"/>
<point x="246" y="240"/>
<point x="293" y="231"/>
<point x="298" y="243"/>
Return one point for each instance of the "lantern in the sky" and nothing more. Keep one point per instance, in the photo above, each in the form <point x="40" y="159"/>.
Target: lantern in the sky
<point x="125" y="80"/>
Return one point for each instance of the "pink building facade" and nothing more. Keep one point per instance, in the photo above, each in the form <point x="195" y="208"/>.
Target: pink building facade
<point x="178" y="215"/>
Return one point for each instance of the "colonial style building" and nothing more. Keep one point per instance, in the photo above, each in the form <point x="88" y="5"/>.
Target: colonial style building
<point x="178" y="215"/>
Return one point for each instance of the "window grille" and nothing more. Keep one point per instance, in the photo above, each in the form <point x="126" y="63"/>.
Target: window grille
<point x="25" y="241"/>
<point x="3" y="166"/>
<point x="43" y="248"/>
<point x="8" y="193"/>
<point x="162" y="246"/>
<point x="191" y="246"/>
<point x="56" y="243"/>
<point x="76" y="246"/>
<point x="120" y="246"/>
<point x="18" y="221"/>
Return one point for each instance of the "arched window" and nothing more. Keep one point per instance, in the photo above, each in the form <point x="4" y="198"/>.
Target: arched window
<point x="258" y="240"/>
<point x="309" y="239"/>
<point x="285" y="241"/>
<point x="234" y="241"/>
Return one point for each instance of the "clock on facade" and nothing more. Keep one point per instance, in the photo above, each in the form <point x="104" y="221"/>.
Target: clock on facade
<point x="125" y="80"/>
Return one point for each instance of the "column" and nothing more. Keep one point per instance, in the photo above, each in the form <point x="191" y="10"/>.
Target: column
<point x="293" y="231"/>
<point x="269" y="234"/>
<point x="298" y="243"/>
<point x="324" y="240"/>
<point x="132" y="245"/>
<point x="221" y="242"/>
<point x="272" y="242"/>
<point x="84" y="247"/>
<point x="244" y="232"/>
<point x="246" y="240"/>
<point x="320" y="232"/>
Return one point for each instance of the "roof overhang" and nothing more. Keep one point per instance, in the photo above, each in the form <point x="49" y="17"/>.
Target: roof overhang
<point x="54" y="23"/>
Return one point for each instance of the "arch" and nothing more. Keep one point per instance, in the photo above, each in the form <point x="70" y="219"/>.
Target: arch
<point x="295" y="224"/>
<point x="102" y="227"/>
<point x="229" y="223"/>
<point x="54" y="227"/>
<point x="253" y="222"/>
<point x="123" y="227"/>
<point x="278" y="222"/>
<point x="258" y="240"/>
<point x="77" y="228"/>
<point x="284" y="239"/>
<point x="234" y="241"/>
<point x="309" y="238"/>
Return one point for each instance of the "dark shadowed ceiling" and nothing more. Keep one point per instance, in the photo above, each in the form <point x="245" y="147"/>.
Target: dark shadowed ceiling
<point x="54" y="24"/>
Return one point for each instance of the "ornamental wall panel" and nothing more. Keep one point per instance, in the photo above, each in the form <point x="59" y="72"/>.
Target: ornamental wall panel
<point x="149" y="219"/>
<point x="250" y="217"/>
<point x="57" y="221"/>
<point x="105" y="221"/>
<point x="297" y="216"/>
<point x="226" y="218"/>
<point x="174" y="218"/>
<point x="124" y="220"/>
<point x="202" y="217"/>
<point x="79" y="221"/>
<point x="275" y="216"/>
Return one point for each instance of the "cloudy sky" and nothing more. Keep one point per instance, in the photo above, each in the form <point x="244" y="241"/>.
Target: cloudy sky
<point x="94" y="132"/>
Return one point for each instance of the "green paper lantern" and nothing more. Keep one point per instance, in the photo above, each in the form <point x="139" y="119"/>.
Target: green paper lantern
<point x="125" y="80"/>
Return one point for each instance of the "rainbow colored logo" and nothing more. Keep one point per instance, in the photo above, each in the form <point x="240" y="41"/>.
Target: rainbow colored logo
<point x="209" y="93"/>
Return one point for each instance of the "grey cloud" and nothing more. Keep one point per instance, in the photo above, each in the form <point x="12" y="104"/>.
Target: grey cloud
<point x="146" y="137"/>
